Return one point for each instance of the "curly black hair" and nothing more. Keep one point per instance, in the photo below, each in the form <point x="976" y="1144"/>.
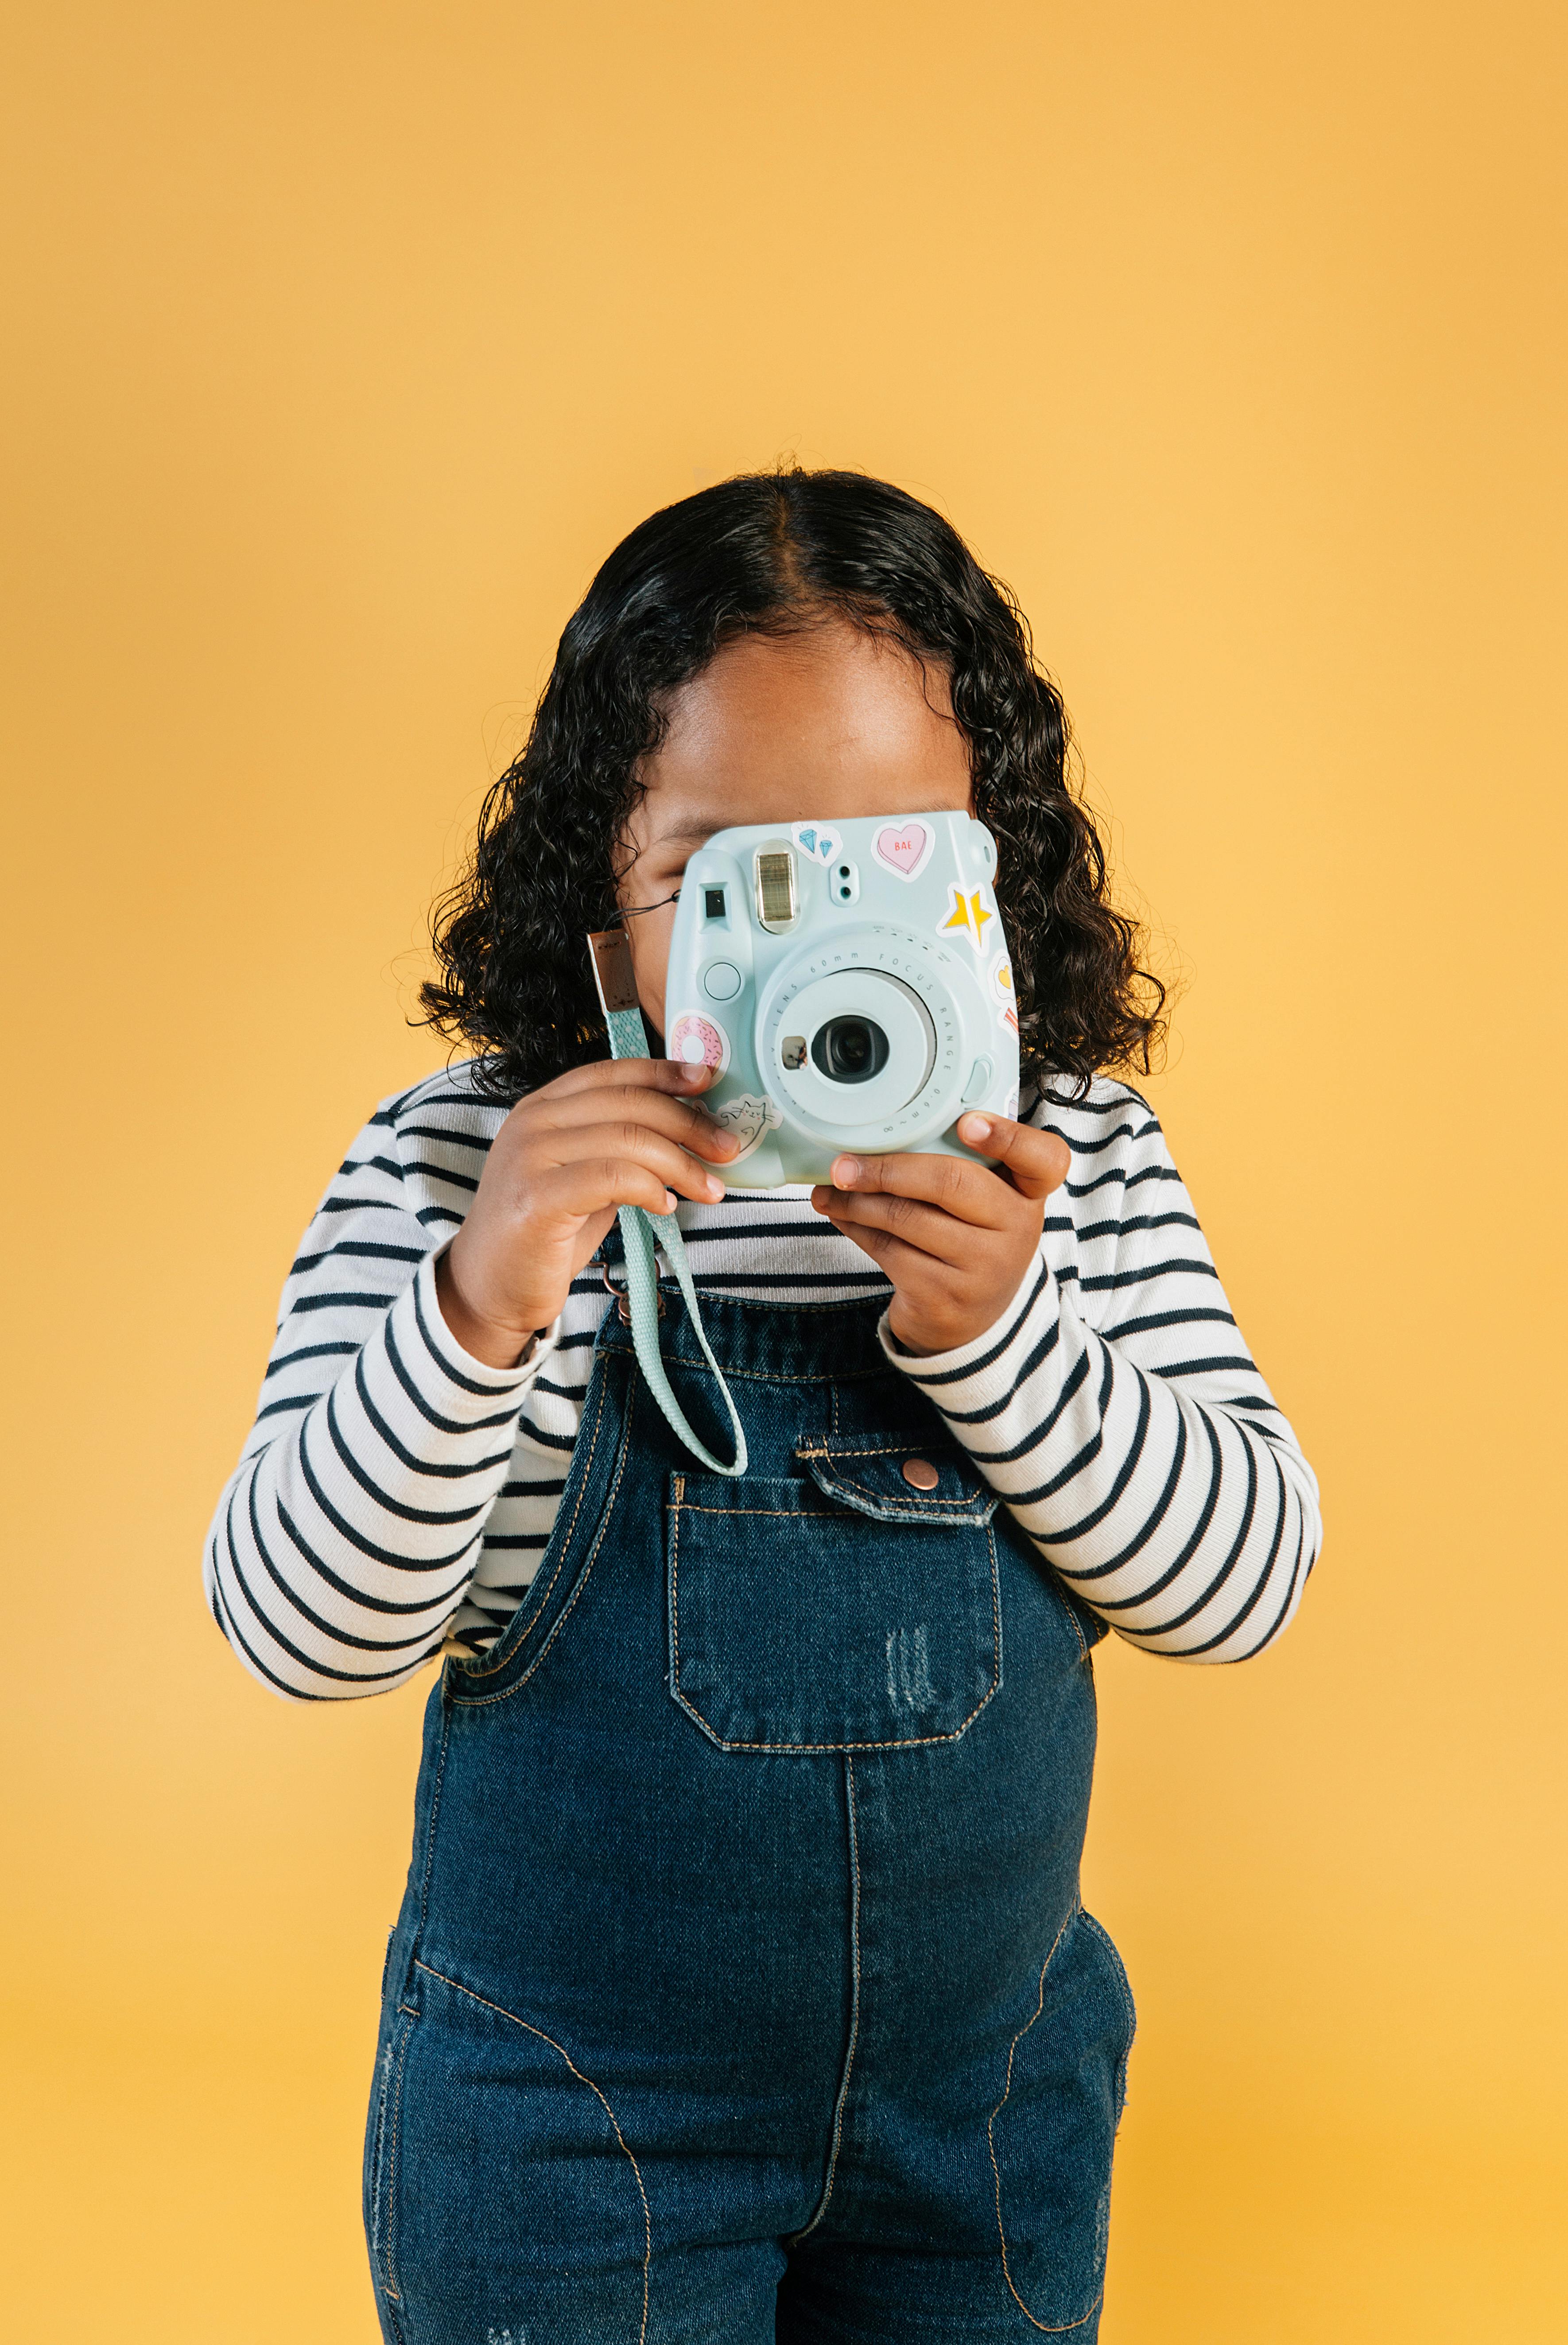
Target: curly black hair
<point x="774" y="551"/>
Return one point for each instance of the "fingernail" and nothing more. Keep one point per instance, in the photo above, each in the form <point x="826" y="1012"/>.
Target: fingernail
<point x="671" y="1200"/>
<point x="846" y="1172"/>
<point x="715" y="1188"/>
<point x="977" y="1127"/>
<point x="692" y="1075"/>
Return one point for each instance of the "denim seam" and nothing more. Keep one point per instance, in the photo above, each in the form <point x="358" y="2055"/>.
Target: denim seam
<point x="1057" y="2328"/>
<point x="431" y="1840"/>
<point x="388" y="2172"/>
<point x="1072" y="1621"/>
<point x="813" y="1514"/>
<point x="909" y="1511"/>
<point x="378" y="2164"/>
<point x="502" y="2013"/>
<point x="809" y="1750"/>
<point x="854" y="2001"/>
<point x="874" y="1449"/>
<point x="480" y="1675"/>
<point x="1118" y="1972"/>
<point x="484" y="1701"/>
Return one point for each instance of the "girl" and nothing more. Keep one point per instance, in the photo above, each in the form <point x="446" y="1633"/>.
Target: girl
<point x="742" y="1988"/>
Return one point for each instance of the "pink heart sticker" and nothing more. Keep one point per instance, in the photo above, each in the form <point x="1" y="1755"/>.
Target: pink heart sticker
<point x="902" y="846"/>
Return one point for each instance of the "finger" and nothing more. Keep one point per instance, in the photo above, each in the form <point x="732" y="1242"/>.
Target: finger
<point x="1037" y="1162"/>
<point x="967" y="1191"/>
<point x="683" y="1121"/>
<point x="940" y="1236"/>
<point x="671" y="1075"/>
<point x="633" y="1144"/>
<point x="908" y="1268"/>
<point x="590" y="1184"/>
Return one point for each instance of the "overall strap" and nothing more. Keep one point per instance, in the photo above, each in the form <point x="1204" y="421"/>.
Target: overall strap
<point x="640" y="1231"/>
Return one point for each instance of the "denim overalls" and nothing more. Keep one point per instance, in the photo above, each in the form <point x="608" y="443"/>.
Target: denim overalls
<point x="742" y="1977"/>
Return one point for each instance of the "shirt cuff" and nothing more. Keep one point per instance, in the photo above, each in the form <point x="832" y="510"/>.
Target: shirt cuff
<point x="986" y="1368"/>
<point x="459" y="1366"/>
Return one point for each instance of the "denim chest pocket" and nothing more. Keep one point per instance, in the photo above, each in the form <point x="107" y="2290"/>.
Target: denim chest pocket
<point x="853" y="1607"/>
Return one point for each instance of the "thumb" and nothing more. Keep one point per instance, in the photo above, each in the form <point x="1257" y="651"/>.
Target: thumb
<point x="1036" y="1162"/>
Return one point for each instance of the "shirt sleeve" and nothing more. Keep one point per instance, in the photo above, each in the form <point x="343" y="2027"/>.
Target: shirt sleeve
<point x="1119" y="1416"/>
<point x="346" y="1538"/>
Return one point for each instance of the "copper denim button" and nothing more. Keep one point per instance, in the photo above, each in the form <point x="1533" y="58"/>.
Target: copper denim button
<point x="920" y="1474"/>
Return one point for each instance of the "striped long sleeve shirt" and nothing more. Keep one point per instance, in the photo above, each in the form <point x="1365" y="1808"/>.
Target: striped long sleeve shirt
<point x="395" y="1495"/>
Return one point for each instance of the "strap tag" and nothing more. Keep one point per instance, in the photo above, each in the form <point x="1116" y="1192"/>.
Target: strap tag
<point x="613" y="971"/>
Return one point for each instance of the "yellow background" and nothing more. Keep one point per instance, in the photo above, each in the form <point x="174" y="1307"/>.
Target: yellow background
<point x="346" y="340"/>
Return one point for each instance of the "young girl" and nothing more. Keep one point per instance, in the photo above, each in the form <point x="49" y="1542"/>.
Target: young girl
<point x="742" y="1988"/>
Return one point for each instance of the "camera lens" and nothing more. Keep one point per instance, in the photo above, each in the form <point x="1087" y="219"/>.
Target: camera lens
<point x="849" y="1050"/>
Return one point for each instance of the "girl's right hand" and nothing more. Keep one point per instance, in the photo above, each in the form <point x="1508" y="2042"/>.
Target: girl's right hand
<point x="622" y="1132"/>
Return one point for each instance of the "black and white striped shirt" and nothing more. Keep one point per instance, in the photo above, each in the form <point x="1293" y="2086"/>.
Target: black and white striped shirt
<point x="396" y="1494"/>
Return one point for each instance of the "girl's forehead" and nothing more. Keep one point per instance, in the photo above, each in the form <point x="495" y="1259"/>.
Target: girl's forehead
<point x="777" y="728"/>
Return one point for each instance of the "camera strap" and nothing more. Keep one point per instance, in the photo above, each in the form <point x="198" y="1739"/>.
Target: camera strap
<point x="642" y="1231"/>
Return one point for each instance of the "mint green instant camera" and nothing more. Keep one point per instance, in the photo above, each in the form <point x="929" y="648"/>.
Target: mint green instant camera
<point x="851" y="983"/>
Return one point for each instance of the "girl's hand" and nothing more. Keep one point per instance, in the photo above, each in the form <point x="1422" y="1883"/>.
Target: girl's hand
<point x="623" y="1131"/>
<point x="955" y="1239"/>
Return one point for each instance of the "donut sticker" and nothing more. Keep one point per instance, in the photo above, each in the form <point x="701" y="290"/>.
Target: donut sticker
<point x="747" y="1119"/>
<point x="816" y="841"/>
<point x="904" y="848"/>
<point x="696" y="1042"/>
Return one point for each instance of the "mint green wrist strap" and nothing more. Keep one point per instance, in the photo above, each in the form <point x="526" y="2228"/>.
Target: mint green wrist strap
<point x="640" y="1231"/>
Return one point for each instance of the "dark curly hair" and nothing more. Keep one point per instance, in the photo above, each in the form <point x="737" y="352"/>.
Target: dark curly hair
<point x="774" y="551"/>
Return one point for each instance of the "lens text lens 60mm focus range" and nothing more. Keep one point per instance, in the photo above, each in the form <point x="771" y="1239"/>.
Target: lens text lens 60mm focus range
<point x="849" y="1050"/>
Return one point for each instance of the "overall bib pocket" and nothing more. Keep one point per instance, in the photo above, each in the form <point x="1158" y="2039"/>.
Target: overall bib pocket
<point x="851" y="1608"/>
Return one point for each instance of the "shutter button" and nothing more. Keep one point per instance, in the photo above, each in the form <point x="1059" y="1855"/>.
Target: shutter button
<point x="920" y="1474"/>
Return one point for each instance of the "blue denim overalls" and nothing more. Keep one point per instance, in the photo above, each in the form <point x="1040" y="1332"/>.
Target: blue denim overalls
<point x="740" y="1987"/>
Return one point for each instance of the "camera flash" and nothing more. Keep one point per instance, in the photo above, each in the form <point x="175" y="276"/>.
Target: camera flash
<point x="775" y="888"/>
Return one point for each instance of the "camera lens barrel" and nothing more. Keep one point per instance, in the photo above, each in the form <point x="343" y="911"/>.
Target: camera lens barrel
<point x="849" y="1050"/>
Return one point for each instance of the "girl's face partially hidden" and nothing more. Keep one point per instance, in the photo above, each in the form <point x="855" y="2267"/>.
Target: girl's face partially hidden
<point x="777" y="728"/>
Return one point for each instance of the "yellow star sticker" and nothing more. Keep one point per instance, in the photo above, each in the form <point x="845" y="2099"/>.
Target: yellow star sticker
<point x="968" y="913"/>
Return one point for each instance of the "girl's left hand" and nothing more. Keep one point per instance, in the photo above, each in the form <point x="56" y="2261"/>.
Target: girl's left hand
<point x="955" y="1238"/>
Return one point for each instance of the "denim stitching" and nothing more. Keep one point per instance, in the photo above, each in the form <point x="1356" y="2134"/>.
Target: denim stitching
<point x="813" y="1514"/>
<point x="430" y="1836"/>
<point x="484" y="1701"/>
<point x="830" y="1458"/>
<point x="378" y="2162"/>
<point x="810" y="1749"/>
<point x="854" y="2001"/>
<point x="910" y="1511"/>
<point x="1051" y="2328"/>
<point x="389" y="2174"/>
<point x="876" y="1449"/>
<point x="502" y="2013"/>
<point x="1072" y="1621"/>
<point x="478" y="1673"/>
<point x="1118" y="1970"/>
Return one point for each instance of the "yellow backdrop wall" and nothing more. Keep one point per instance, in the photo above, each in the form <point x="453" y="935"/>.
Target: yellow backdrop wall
<point x="347" y="338"/>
